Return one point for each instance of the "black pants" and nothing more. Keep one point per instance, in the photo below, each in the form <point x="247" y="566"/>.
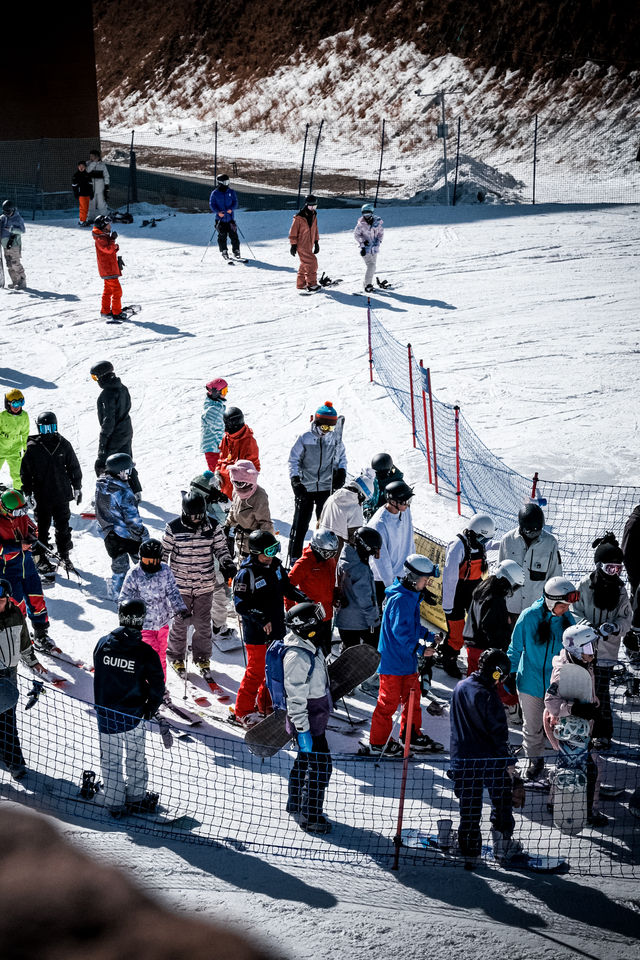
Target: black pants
<point x="302" y="517"/>
<point x="353" y="638"/>
<point x="470" y="777"/>
<point x="603" y="722"/>
<point x="10" y="750"/>
<point x="59" y="512"/>
<point x="308" y="779"/>
<point x="230" y="230"/>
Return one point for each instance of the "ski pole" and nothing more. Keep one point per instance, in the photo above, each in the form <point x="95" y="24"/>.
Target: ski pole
<point x="215" y="230"/>
<point x="246" y="241"/>
<point x="186" y="660"/>
<point x="241" y="632"/>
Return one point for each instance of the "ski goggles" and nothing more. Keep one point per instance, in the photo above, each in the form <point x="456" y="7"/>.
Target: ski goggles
<point x="47" y="428"/>
<point x="402" y="503"/>
<point x="612" y="569"/>
<point x="327" y="427"/>
<point x="152" y="562"/>
<point x="572" y="597"/>
<point x="272" y="550"/>
<point x="224" y="391"/>
<point x="16" y="403"/>
<point x="242" y="484"/>
<point x="312" y="206"/>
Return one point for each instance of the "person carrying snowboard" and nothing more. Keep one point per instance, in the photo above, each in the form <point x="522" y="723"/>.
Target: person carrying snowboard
<point x="117" y="514"/>
<point x="82" y="186"/>
<point x="11" y="230"/>
<point x="238" y="443"/>
<point x="14" y="432"/>
<point x="116" y="430"/>
<point x="249" y="506"/>
<point x="309" y="706"/>
<point x="368" y="235"/>
<point x="304" y="240"/>
<point x="212" y="420"/>
<point x="223" y="203"/>
<point x="109" y="267"/>
<point x="51" y="474"/>
<point x="17" y="536"/>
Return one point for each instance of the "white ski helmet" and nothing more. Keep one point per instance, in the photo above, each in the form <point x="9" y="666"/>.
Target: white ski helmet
<point x="510" y="571"/>
<point x="580" y="638"/>
<point x="560" y="590"/>
<point x="325" y="543"/>
<point x="416" y="566"/>
<point x="483" y="526"/>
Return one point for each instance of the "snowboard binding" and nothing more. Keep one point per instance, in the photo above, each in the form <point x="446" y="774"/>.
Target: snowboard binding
<point x="90" y="785"/>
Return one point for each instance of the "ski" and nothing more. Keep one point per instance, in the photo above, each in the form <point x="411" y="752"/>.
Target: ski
<point x="57" y="654"/>
<point x="186" y="716"/>
<point x="523" y="861"/>
<point x="49" y="677"/>
<point x="215" y="688"/>
<point x="162" y="814"/>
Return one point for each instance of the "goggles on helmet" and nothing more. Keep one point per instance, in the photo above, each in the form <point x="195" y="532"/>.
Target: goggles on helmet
<point x="47" y="428"/>
<point x="612" y="569"/>
<point x="572" y="597"/>
<point x="242" y="484"/>
<point x="224" y="391"/>
<point x="150" y="561"/>
<point x="312" y="206"/>
<point x="272" y="550"/>
<point x="16" y="403"/>
<point x="405" y="502"/>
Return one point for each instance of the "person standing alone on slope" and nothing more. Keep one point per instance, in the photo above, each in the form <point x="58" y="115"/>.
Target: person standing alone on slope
<point x="305" y="241"/>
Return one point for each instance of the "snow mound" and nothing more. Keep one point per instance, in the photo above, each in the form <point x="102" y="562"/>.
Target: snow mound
<point x="478" y="182"/>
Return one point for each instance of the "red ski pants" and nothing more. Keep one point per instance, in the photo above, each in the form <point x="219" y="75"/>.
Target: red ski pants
<point x="394" y="691"/>
<point x="112" y="296"/>
<point x="212" y="460"/>
<point x="83" y="208"/>
<point x="308" y="269"/>
<point x="253" y="693"/>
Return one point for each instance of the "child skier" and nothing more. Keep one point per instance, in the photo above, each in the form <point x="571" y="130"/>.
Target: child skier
<point x="368" y="235"/>
<point x="212" y="420"/>
<point x="223" y="203"/>
<point x="304" y="240"/>
<point x="117" y="514"/>
<point x="358" y="615"/>
<point x="109" y="267"/>
<point x="315" y="574"/>
<point x="249" y="506"/>
<point x="14" y="432"/>
<point x="238" y="443"/>
<point x="17" y="535"/>
<point x="11" y="229"/>
<point x="82" y="186"/>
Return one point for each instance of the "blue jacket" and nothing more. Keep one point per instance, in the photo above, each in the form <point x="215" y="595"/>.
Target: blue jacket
<point x="117" y="509"/>
<point x="212" y="425"/>
<point x="400" y="631"/>
<point x="128" y="682"/>
<point x="536" y="640"/>
<point x="222" y="201"/>
<point x="478" y="721"/>
<point x="258" y="594"/>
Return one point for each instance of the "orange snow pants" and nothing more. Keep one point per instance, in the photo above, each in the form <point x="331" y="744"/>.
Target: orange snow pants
<point x="253" y="693"/>
<point x="83" y="208"/>
<point x="308" y="269"/>
<point x="112" y="296"/>
<point x="393" y="691"/>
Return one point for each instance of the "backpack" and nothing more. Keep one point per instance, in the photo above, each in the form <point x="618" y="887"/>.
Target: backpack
<point x="274" y="671"/>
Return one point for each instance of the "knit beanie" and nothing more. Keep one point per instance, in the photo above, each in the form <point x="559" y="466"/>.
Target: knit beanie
<point x="607" y="549"/>
<point x="326" y="414"/>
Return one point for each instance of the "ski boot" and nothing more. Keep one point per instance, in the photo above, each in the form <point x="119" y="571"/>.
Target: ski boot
<point x="505" y="848"/>
<point x="369" y="288"/>
<point x="449" y="662"/>
<point x="319" y="824"/>
<point x="46" y="569"/>
<point x="42" y="642"/>
<point x="90" y="784"/>
<point x="534" y="769"/>
<point x="389" y="749"/>
<point x="148" y="804"/>
<point x="224" y="254"/>
<point x="421" y="743"/>
<point x="179" y="667"/>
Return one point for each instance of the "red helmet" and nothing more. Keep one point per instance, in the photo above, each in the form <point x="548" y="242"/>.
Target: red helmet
<point x="217" y="388"/>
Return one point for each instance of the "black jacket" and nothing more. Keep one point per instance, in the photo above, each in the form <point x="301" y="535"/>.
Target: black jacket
<point x="488" y="623"/>
<point x="631" y="548"/>
<point x="478" y="722"/>
<point x="258" y="595"/>
<point x="50" y="469"/>
<point x="114" y="404"/>
<point x="128" y="682"/>
<point x="82" y="184"/>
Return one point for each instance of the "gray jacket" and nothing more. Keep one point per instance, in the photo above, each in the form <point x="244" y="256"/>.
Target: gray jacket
<point x="540" y="561"/>
<point x="314" y="456"/>
<point x="358" y="607"/>
<point x="296" y="670"/>
<point x="585" y="609"/>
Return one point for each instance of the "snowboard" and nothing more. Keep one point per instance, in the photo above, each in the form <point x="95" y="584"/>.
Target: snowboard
<point x="572" y="734"/>
<point x="130" y="311"/>
<point x="524" y="861"/>
<point x="345" y="673"/>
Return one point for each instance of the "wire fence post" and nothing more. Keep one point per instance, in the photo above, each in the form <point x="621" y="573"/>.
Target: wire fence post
<point x="534" y="485"/>
<point x="315" y="154"/>
<point x="413" y="408"/>
<point x="132" y="184"/>
<point x="535" y="157"/>
<point x="304" y="153"/>
<point x="397" y="840"/>
<point x="215" y="152"/>
<point x="426" y="425"/>
<point x="369" y="337"/>
<point x="433" y="429"/>
<point x="455" y="179"/>
<point x="458" y="490"/>
<point x="375" y="202"/>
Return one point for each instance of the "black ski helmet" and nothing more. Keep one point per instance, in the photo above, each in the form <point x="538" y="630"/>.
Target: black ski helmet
<point x="194" y="507"/>
<point x="367" y="542"/>
<point x="494" y="664"/>
<point x="101" y="370"/>
<point x="131" y="613"/>
<point x="398" y="491"/>
<point x="261" y="541"/>
<point x="233" y="419"/>
<point x="303" y="619"/>
<point x="102" y="222"/>
<point x="8" y="208"/>
<point x="150" y="555"/>
<point x="382" y="463"/>
<point x="119" y="463"/>
<point x="47" y="422"/>
<point x="530" y="521"/>
<point x="310" y="199"/>
<point x="5" y="588"/>
<point x="222" y="180"/>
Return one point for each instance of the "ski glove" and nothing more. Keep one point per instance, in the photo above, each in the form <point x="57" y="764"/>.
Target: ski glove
<point x="99" y="466"/>
<point x="585" y="710"/>
<point x="606" y="629"/>
<point x="298" y="487"/>
<point x="114" y="234"/>
<point x="305" y="742"/>
<point x="228" y="569"/>
<point x="293" y="249"/>
<point x="10" y="241"/>
<point x="120" y="264"/>
<point x="363" y="252"/>
<point x="77" y="496"/>
<point x="316" y="247"/>
<point x="339" y="477"/>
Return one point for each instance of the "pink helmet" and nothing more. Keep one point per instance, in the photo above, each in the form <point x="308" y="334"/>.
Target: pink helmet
<point x="244" y="477"/>
<point x="217" y="388"/>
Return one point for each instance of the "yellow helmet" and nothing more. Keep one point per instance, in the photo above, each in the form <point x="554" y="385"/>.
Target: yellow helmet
<point x="14" y="398"/>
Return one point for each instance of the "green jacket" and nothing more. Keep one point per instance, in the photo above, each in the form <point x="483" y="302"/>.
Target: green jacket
<point x="14" y="430"/>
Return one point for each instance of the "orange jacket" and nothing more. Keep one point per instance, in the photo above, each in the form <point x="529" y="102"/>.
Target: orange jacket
<point x="107" y="254"/>
<point x="316" y="578"/>
<point x="303" y="234"/>
<point x="236" y="446"/>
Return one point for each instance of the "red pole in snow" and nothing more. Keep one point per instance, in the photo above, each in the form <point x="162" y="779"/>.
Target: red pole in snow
<point x="426" y="425"/>
<point x="397" y="840"/>
<point x="433" y="428"/>
<point x="535" y="484"/>
<point x="369" y="334"/>
<point x="458" y="490"/>
<point x="413" y="409"/>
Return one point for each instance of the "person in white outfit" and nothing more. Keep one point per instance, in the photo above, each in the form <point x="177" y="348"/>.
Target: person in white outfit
<point x="342" y="513"/>
<point x="368" y="235"/>
<point x="394" y="524"/>
<point x="533" y="549"/>
<point x="97" y="170"/>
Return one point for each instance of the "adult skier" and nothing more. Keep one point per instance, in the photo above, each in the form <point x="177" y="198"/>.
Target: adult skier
<point x="368" y="235"/>
<point x="630" y="545"/>
<point x="116" y="430"/>
<point x="535" y="550"/>
<point x="315" y="574"/>
<point x="358" y="614"/>
<point x="304" y="240"/>
<point x="17" y="535"/>
<point x="308" y="709"/>
<point x="128" y="687"/>
<point x="395" y="526"/>
<point x="99" y="173"/>
<point x="238" y="443"/>
<point x="109" y="267"/>
<point x="212" y="420"/>
<point x="11" y="230"/>
<point x="317" y="466"/>
<point x="117" y="514"/>
<point x="14" y="432"/>
<point x="249" y="509"/>
<point x="82" y="186"/>
<point x="464" y="565"/>
<point x="385" y="472"/>
<point x="51" y="473"/>
<point x="489" y="624"/>
<point x="223" y="203"/>
<point x="342" y="512"/>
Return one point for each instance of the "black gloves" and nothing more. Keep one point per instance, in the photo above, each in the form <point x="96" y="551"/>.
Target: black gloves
<point x="114" y="234"/>
<point x="316" y="247"/>
<point x="510" y="684"/>
<point x="298" y="487"/>
<point x="585" y="710"/>
<point x="106" y="192"/>
<point x="120" y="264"/>
<point x="363" y="252"/>
<point x="228" y="569"/>
<point x="11" y="241"/>
<point x="339" y="477"/>
<point x="293" y="249"/>
<point x="99" y="466"/>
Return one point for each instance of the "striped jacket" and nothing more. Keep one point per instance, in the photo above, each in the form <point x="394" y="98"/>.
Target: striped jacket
<point x="212" y="425"/>
<point x="192" y="554"/>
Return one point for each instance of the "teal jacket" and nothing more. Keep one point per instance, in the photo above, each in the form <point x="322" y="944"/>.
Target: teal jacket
<point x="536" y="640"/>
<point x="212" y="425"/>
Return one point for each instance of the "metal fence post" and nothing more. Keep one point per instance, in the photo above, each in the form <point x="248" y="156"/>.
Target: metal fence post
<point x="215" y="152"/>
<point x="455" y="182"/>
<point x="375" y="202"/>
<point x="315" y="154"/>
<point x="456" y="410"/>
<point x="426" y="425"/>
<point x="433" y="429"/>
<point x="369" y="335"/>
<point x="535" y="157"/>
<point x="304" y="153"/>
<point x="413" y="409"/>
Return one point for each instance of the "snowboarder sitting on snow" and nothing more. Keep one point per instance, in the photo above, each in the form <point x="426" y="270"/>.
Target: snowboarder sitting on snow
<point x="259" y="589"/>
<point x="400" y="636"/>
<point x="358" y="615"/>
<point x="578" y="647"/>
<point x="481" y="757"/>
<point x="308" y="711"/>
<point x="223" y="203"/>
<point x="117" y="514"/>
<point x="212" y="420"/>
<point x="11" y="230"/>
<point x="116" y="431"/>
<point x="315" y="574"/>
<point x="152" y="581"/>
<point x="17" y="536"/>
<point x="128" y="687"/>
<point x="304" y="240"/>
<point x="51" y="474"/>
<point x="109" y="267"/>
<point x="368" y="235"/>
<point x="238" y="443"/>
<point x="317" y="465"/>
<point x="14" y="432"/>
<point x="384" y="473"/>
<point x="82" y="186"/>
<point x="342" y="513"/>
<point x="249" y="506"/>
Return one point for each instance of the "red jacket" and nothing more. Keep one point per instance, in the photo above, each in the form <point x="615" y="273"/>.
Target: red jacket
<point x="236" y="446"/>
<point x="316" y="578"/>
<point x="107" y="254"/>
<point x="16" y="535"/>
